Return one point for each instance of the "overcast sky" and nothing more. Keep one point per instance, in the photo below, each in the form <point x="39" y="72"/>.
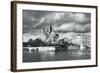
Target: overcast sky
<point x="34" y="21"/>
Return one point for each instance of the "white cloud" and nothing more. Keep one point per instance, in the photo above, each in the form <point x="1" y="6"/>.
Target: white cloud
<point x="73" y="27"/>
<point x="79" y="17"/>
<point x="57" y="16"/>
<point x="52" y="17"/>
<point x="39" y="22"/>
<point x="64" y="26"/>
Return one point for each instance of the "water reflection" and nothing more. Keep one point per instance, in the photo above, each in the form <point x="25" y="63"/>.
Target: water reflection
<point x="47" y="56"/>
<point x="51" y="55"/>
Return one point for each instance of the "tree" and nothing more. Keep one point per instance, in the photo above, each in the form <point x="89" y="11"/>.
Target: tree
<point x="30" y="42"/>
<point x="38" y="42"/>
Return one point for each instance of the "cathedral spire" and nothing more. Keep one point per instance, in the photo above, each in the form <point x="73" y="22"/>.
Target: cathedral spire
<point x="51" y="28"/>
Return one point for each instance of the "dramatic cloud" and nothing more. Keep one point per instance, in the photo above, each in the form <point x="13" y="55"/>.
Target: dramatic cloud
<point x="34" y="21"/>
<point x="72" y="27"/>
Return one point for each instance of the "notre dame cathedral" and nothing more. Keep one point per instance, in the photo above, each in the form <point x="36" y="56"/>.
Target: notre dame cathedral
<point x="51" y="36"/>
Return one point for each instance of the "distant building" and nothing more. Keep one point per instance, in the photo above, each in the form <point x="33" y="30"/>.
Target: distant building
<point x="82" y="39"/>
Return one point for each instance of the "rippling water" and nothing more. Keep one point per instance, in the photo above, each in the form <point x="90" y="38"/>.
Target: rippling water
<point x="38" y="56"/>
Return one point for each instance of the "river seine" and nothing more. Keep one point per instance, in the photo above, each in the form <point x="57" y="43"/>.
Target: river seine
<point x="40" y="56"/>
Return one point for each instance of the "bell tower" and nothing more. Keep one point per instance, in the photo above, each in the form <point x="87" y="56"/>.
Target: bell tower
<point x="51" y="28"/>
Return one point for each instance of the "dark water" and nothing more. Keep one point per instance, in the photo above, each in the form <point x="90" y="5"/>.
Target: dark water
<point x="36" y="56"/>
